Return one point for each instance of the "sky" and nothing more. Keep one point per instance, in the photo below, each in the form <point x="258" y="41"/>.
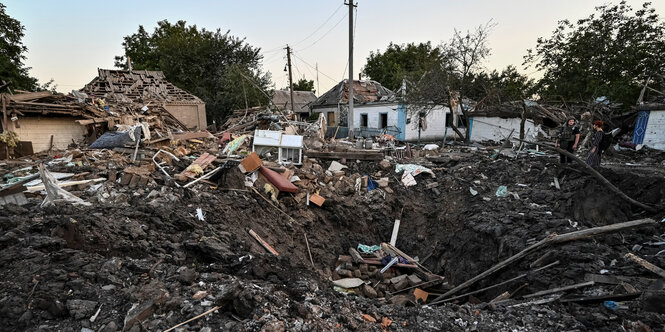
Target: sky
<point x="68" y="40"/>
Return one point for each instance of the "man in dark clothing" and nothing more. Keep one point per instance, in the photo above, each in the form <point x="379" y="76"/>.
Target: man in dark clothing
<point x="568" y="138"/>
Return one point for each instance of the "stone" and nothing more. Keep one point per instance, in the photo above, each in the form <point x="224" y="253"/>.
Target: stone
<point x="414" y="280"/>
<point x="110" y="327"/>
<point x="402" y="284"/>
<point x="369" y="291"/>
<point x="357" y="273"/>
<point x="80" y="309"/>
<point x="138" y="312"/>
<point x="274" y="326"/>
<point x="186" y="275"/>
<point x="383" y="182"/>
<point x="363" y="268"/>
<point x="398" y="279"/>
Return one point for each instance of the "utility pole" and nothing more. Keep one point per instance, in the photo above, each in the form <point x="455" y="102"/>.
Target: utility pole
<point x="317" y="77"/>
<point x="288" y="61"/>
<point x="350" y="115"/>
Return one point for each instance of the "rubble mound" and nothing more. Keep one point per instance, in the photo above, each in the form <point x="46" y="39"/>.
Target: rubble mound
<point x="152" y="255"/>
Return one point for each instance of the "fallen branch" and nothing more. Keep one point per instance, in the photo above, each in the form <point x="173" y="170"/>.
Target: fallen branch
<point x="552" y="239"/>
<point x="653" y="268"/>
<point x="597" y="175"/>
<point x="192" y="319"/>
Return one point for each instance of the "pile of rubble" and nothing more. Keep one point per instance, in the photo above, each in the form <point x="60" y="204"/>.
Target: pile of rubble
<point x="264" y="229"/>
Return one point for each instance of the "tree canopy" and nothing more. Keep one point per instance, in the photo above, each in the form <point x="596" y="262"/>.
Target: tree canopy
<point x="610" y="53"/>
<point x="222" y="70"/>
<point x="303" y="85"/>
<point x="12" y="53"/>
<point x="398" y="62"/>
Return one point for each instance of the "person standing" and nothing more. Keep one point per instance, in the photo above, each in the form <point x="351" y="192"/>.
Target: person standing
<point x="595" y="153"/>
<point x="568" y="138"/>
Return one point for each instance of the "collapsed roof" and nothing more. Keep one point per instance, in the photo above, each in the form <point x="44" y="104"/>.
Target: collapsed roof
<point x="364" y="92"/>
<point x="301" y="100"/>
<point x="136" y="86"/>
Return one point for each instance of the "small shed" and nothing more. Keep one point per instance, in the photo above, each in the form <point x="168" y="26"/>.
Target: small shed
<point x="288" y="147"/>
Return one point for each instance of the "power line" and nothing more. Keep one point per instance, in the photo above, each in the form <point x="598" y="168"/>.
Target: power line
<point x="320" y="26"/>
<point x="325" y="34"/>
<point x="355" y="23"/>
<point x="322" y="73"/>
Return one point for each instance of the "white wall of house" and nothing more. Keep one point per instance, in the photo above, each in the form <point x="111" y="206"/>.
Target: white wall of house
<point x="373" y="113"/>
<point x="38" y="130"/>
<point x="654" y="136"/>
<point x="436" y="125"/>
<point x="496" y="129"/>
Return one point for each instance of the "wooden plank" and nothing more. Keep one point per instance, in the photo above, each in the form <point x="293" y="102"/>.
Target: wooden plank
<point x="30" y="96"/>
<point x="560" y="289"/>
<point x="263" y="243"/>
<point x="653" y="268"/>
<point x="553" y="238"/>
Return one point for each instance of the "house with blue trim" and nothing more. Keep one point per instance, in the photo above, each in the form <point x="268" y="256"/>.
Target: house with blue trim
<point x="376" y="111"/>
<point x="650" y="126"/>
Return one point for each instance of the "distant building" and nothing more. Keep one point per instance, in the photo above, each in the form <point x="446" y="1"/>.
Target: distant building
<point x="143" y="87"/>
<point x="301" y="101"/>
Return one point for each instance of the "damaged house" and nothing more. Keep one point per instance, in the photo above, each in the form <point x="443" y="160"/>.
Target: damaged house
<point x="148" y="88"/>
<point x="301" y="102"/>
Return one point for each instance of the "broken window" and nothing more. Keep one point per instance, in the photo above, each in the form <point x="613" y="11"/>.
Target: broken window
<point x="383" y="120"/>
<point x="363" y="120"/>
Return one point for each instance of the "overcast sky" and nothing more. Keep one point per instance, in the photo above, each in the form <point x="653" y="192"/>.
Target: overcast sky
<point x="69" y="40"/>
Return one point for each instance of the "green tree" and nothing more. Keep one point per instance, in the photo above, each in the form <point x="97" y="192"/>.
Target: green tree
<point x="303" y="85"/>
<point x="610" y="53"/>
<point x="12" y="54"/>
<point x="399" y="62"/>
<point x="500" y="86"/>
<point x="222" y="70"/>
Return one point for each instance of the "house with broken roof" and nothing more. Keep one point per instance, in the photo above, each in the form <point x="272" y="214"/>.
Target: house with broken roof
<point x="378" y="110"/>
<point x="301" y="102"/>
<point x="44" y="121"/>
<point x="148" y="88"/>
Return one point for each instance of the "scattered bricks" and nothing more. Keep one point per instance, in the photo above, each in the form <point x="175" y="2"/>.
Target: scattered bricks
<point x="368" y="291"/>
<point x="200" y="294"/>
<point x="126" y="178"/>
<point x="357" y="273"/>
<point x="113" y="176"/>
<point x="402" y="284"/>
<point x="372" y="268"/>
<point x="432" y="185"/>
<point x="398" y="279"/>
<point x="134" y="181"/>
<point x="137" y="313"/>
<point x="143" y="181"/>
<point x="363" y="268"/>
<point x="338" y="173"/>
<point x="335" y="275"/>
<point x="388" y="190"/>
<point x="364" y="277"/>
<point x="414" y="280"/>
<point x="368" y="318"/>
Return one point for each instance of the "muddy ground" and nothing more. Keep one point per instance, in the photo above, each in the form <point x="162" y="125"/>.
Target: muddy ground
<point x="140" y="259"/>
